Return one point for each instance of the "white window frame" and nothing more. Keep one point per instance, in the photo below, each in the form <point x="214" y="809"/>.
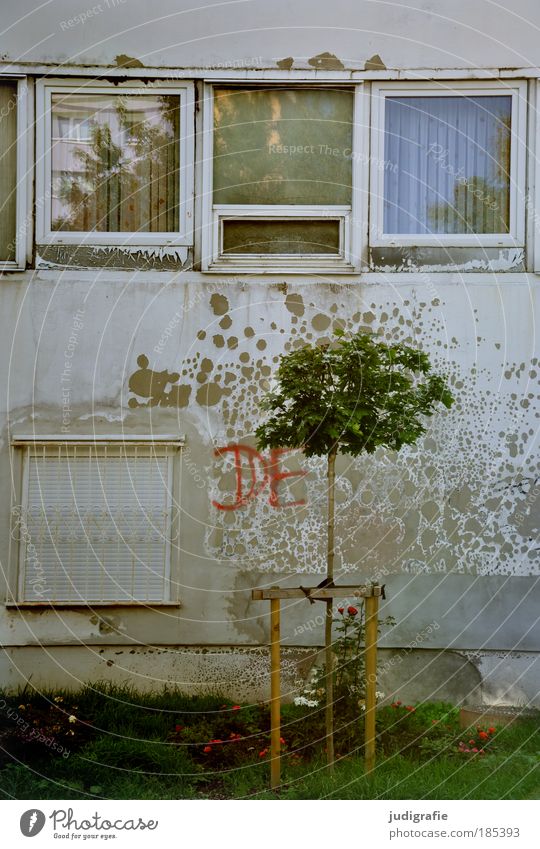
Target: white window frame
<point x="21" y="222"/>
<point x="44" y="234"/>
<point x="28" y="445"/>
<point x="518" y="146"/>
<point x="351" y="242"/>
<point x="533" y="198"/>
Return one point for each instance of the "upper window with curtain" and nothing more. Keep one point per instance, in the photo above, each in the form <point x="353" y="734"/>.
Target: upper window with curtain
<point x="448" y="164"/>
<point x="279" y="191"/>
<point x="116" y="165"/>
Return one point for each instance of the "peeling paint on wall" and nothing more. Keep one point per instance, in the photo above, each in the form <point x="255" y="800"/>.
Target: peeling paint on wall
<point x="445" y="504"/>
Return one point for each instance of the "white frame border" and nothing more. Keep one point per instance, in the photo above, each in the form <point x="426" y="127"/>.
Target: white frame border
<point x="533" y="198"/>
<point x="352" y="244"/>
<point x="44" y="235"/>
<point x="518" y="156"/>
<point x="23" y="159"/>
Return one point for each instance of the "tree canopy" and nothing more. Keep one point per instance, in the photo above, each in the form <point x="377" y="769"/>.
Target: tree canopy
<point x="351" y="397"/>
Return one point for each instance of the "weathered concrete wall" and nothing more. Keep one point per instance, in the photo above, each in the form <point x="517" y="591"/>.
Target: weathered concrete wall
<point x="450" y="525"/>
<point x="255" y="33"/>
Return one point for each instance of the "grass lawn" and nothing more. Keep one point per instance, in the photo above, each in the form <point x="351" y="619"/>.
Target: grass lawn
<point x="113" y="743"/>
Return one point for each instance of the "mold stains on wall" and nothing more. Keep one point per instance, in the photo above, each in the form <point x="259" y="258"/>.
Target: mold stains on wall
<point x="152" y="385"/>
<point x="211" y="394"/>
<point x="285" y="64"/>
<point x="219" y="304"/>
<point x="458" y="501"/>
<point x="429" y="675"/>
<point x="433" y="260"/>
<point x="375" y="63"/>
<point x="124" y="61"/>
<point x="108" y="624"/>
<point x="117" y="258"/>
<point x="326" y="62"/>
<point x="295" y="304"/>
<point x="241" y="673"/>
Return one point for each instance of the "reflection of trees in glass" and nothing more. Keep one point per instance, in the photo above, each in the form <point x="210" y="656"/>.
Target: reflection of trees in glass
<point x="126" y="178"/>
<point x="480" y="204"/>
<point x="277" y="146"/>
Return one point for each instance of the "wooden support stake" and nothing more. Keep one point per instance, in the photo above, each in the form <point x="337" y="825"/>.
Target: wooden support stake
<point x="372" y="614"/>
<point x="371" y="595"/>
<point x="275" y="694"/>
<point x="316" y="593"/>
<point x="329" y="707"/>
<point x="328" y="653"/>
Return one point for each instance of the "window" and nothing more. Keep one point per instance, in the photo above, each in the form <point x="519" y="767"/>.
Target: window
<point x="116" y="165"/>
<point x="13" y="141"/>
<point x="448" y="164"/>
<point x="96" y="522"/>
<point x="280" y="178"/>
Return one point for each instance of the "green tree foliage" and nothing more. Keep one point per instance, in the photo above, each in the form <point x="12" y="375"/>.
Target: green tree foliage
<point x="351" y="397"/>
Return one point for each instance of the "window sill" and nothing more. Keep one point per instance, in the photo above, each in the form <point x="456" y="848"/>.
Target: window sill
<point x="446" y="240"/>
<point x="51" y="605"/>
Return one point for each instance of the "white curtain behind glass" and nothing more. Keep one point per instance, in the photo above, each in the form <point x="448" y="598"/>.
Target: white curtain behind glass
<point x="447" y="164"/>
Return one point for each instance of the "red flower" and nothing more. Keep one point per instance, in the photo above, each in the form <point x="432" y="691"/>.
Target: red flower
<point x="492" y="730"/>
<point x="216" y="741"/>
<point x="340" y="610"/>
<point x="236" y="707"/>
<point x="282" y="741"/>
<point x="472" y="742"/>
<point x="475" y="750"/>
<point x="398" y="703"/>
<point x="409" y="708"/>
<point x="178" y="727"/>
<point x="352" y="611"/>
<point x="483" y="735"/>
<point x="263" y="753"/>
<point x="207" y="749"/>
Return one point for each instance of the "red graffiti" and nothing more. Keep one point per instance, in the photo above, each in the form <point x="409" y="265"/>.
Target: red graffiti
<point x="263" y="472"/>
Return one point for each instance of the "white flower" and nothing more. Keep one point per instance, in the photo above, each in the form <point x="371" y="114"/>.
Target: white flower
<point x="301" y="700"/>
<point x="379" y="695"/>
<point x="72" y="718"/>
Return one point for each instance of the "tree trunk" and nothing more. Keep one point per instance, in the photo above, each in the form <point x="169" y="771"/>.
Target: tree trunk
<point x="329" y="658"/>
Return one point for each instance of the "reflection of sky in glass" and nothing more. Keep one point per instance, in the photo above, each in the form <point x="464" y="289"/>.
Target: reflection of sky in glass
<point x="447" y="164"/>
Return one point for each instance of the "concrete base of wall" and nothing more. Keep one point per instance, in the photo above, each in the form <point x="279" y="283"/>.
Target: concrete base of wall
<point x="243" y="673"/>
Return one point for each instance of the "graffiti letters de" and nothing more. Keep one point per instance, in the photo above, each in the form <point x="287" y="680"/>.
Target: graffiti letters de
<point x="257" y="475"/>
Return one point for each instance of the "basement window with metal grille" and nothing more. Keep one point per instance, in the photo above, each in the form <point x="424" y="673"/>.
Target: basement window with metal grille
<point x="96" y="523"/>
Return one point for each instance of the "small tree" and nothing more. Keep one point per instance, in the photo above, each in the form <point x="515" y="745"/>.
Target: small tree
<point x="349" y="397"/>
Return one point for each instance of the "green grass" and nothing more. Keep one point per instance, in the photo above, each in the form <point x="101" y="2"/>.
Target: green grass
<point x="125" y="745"/>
